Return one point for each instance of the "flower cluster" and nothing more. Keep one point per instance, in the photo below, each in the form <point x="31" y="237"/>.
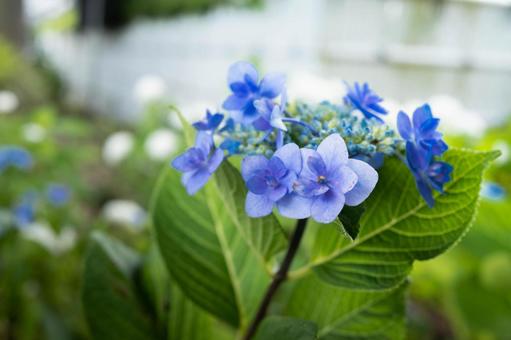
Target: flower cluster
<point x="308" y="160"/>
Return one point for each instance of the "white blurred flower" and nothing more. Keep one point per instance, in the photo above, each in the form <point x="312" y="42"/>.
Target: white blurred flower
<point x="503" y="147"/>
<point x="455" y="118"/>
<point x="8" y="102"/>
<point x="33" y="132"/>
<point x="42" y="234"/>
<point x="310" y="87"/>
<point x="160" y="144"/>
<point x="117" y="146"/>
<point x="149" y="88"/>
<point x="125" y="213"/>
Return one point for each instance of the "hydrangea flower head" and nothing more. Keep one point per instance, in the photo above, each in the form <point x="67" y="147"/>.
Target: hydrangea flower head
<point x="329" y="179"/>
<point x="16" y="157"/>
<point x="268" y="180"/>
<point x="211" y="122"/>
<point x="198" y="163"/>
<point x="246" y="88"/>
<point x="365" y="100"/>
<point x="422" y="130"/>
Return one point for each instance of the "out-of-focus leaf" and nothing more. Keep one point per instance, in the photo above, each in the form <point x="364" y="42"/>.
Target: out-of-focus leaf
<point x="285" y="328"/>
<point x="112" y="307"/>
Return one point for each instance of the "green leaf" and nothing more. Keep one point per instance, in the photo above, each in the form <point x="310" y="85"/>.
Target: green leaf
<point x="112" y="307"/>
<point x="264" y="234"/>
<point x="350" y="219"/>
<point x="285" y="328"/>
<point x="398" y="227"/>
<point x="207" y="256"/>
<point x="341" y="313"/>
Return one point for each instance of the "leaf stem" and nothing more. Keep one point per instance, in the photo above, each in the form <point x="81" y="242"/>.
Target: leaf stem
<point x="278" y="278"/>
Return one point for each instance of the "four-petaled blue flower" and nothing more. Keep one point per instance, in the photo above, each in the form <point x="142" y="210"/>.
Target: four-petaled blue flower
<point x="268" y="180"/>
<point x="198" y="163"/>
<point x="429" y="174"/>
<point x="423" y="130"/>
<point x="211" y="122"/>
<point x="244" y="83"/>
<point x="58" y="194"/>
<point x="16" y="157"/>
<point x="423" y="143"/>
<point x="365" y="100"/>
<point x="328" y="181"/>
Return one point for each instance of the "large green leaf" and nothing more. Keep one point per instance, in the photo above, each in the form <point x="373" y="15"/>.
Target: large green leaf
<point x="264" y="234"/>
<point x="398" y="227"/>
<point x="208" y="257"/>
<point x="111" y="304"/>
<point x="341" y="313"/>
<point x="285" y="328"/>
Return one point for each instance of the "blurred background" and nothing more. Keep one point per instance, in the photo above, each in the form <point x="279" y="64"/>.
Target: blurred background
<point x="86" y="88"/>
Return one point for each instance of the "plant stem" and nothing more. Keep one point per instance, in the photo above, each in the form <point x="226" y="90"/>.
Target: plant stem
<point x="278" y="278"/>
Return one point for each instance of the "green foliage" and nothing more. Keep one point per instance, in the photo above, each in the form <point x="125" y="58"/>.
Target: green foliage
<point x="399" y="228"/>
<point x="112" y="307"/>
<point x="285" y="328"/>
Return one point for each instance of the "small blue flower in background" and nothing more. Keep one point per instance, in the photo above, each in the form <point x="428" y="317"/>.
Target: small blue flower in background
<point x="423" y="131"/>
<point x="493" y="191"/>
<point x="211" y="122"/>
<point x="58" y="194"/>
<point x="198" y="163"/>
<point x="16" y="157"/>
<point x="328" y="181"/>
<point x="244" y="83"/>
<point x="230" y="145"/>
<point x="24" y="211"/>
<point x="268" y="180"/>
<point x="365" y="100"/>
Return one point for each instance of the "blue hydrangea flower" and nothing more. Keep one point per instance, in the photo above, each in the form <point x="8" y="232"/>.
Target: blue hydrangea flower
<point x="365" y="100"/>
<point x="198" y="163"/>
<point x="429" y="174"/>
<point x="423" y="130"/>
<point x="24" y="211"/>
<point x="58" y="194"/>
<point x="268" y="180"/>
<point x="211" y="122"/>
<point x="271" y="114"/>
<point x="16" y="157"/>
<point x="328" y="181"/>
<point x="244" y="83"/>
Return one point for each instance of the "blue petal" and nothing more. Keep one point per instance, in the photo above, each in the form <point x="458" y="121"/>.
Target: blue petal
<point x="258" y="205"/>
<point x="272" y="85"/>
<point x="277" y="193"/>
<point x="327" y="207"/>
<point x="343" y="179"/>
<point x="251" y="164"/>
<point x="234" y="102"/>
<point x="367" y="179"/>
<point x="240" y="71"/>
<point x="257" y="185"/>
<point x="294" y="206"/>
<point x="215" y="160"/>
<point x="425" y="192"/>
<point x="333" y="151"/>
<point x="291" y="156"/>
<point x="316" y="165"/>
<point x="196" y="181"/>
<point x="277" y="167"/>
<point x="404" y="125"/>
<point x="421" y="114"/>
<point x="188" y="161"/>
